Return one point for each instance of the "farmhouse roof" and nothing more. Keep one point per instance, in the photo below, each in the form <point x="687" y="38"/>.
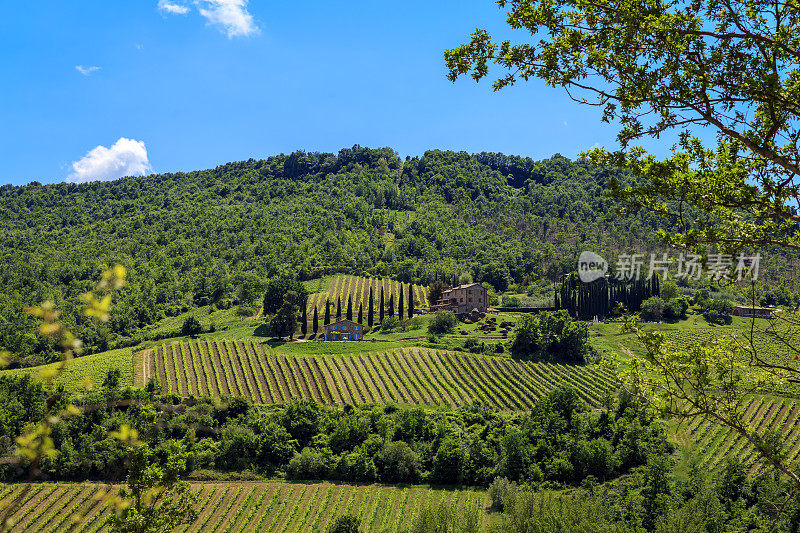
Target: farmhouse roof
<point x="342" y="320"/>
<point x="466" y="286"/>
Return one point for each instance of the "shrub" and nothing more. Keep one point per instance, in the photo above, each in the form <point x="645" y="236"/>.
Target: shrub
<point x="652" y="309"/>
<point x="245" y="310"/>
<point x="442" y="322"/>
<point x="550" y="336"/>
<point x="310" y="463"/>
<point x="499" y="491"/>
<point x="676" y="308"/>
<point x="345" y="524"/>
<point x="389" y="323"/>
<point x="511" y="301"/>
<point x="191" y="326"/>
<point x="399" y="463"/>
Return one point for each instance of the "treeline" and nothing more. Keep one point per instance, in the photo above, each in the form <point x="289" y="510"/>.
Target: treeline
<point x="215" y="236"/>
<point x="559" y="442"/>
<point x="602" y="297"/>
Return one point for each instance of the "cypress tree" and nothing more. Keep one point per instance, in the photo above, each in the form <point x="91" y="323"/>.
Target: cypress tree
<point x="315" y="325"/>
<point x="370" y="309"/>
<point x="380" y="309"/>
<point x="391" y="305"/>
<point x="349" y="314"/>
<point x="410" y="301"/>
<point x="327" y="312"/>
<point x="361" y="312"/>
<point x="400" y="302"/>
<point x="303" y="324"/>
<point x="338" y="307"/>
<point x="555" y="300"/>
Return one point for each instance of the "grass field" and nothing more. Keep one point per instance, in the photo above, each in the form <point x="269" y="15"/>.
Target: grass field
<point x="335" y="287"/>
<point x="403" y="375"/>
<point x="249" y="506"/>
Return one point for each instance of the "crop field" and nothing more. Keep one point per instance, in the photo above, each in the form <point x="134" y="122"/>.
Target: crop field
<point x="696" y="331"/>
<point x="404" y="375"/>
<point x="248" y="506"/>
<point x="713" y="443"/>
<point x="87" y="369"/>
<point x="358" y="289"/>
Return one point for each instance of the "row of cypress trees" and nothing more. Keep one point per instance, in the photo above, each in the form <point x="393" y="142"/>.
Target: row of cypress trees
<point x="600" y="297"/>
<point x="403" y="305"/>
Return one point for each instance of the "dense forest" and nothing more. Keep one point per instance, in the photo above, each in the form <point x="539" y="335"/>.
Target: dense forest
<point x="214" y="236"/>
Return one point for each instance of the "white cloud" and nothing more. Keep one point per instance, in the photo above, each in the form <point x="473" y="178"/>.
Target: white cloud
<point x="173" y="8"/>
<point x="86" y="70"/>
<point x="125" y="158"/>
<point x="565" y="123"/>
<point x="232" y="15"/>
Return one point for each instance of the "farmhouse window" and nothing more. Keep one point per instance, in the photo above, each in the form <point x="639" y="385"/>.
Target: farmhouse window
<point x="470" y="300"/>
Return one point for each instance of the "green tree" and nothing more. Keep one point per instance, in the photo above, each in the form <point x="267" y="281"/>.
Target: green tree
<point x="338" y="307"/>
<point x="191" y="326"/>
<point x="284" y="322"/>
<point x="435" y="291"/>
<point x="345" y="524"/>
<point x="410" y="300"/>
<point x="389" y="323"/>
<point x="154" y="499"/>
<point x="391" y="305"/>
<point x="370" y="309"/>
<point x="400" y="303"/>
<point x="380" y="309"/>
<point x="316" y="321"/>
<point x="349" y="313"/>
<point x="550" y="335"/>
<point x="303" y="321"/>
<point x="652" y="309"/>
<point x="360" y="312"/>
<point x="327" y="312"/>
<point x="276" y="290"/>
<point x="678" y="67"/>
<point x="112" y="379"/>
<point x="442" y="322"/>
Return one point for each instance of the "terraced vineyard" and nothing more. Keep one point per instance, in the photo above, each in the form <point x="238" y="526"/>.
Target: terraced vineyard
<point x="358" y="289"/>
<point x="713" y="443"/>
<point x="229" y="507"/>
<point x="406" y="375"/>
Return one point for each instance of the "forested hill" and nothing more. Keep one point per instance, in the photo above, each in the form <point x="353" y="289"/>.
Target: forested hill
<point x="195" y="238"/>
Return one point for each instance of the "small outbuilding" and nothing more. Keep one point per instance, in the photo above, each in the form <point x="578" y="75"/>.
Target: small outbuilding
<point x="344" y="330"/>
<point x="757" y="312"/>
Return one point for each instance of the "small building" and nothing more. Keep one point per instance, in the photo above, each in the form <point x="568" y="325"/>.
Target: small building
<point x="757" y="312"/>
<point x="464" y="299"/>
<point x="344" y="330"/>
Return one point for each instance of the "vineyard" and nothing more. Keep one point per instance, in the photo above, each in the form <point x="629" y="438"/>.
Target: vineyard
<point x="696" y="331"/>
<point x="229" y="507"/>
<point x="84" y="370"/>
<point x="405" y="375"/>
<point x="340" y="287"/>
<point x="713" y="443"/>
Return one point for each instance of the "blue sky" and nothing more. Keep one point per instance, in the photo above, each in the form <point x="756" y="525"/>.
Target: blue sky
<point x="229" y="80"/>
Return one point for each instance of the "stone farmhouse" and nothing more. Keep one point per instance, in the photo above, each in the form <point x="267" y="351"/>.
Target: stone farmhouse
<point x="464" y="299"/>
<point x="344" y="330"/>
